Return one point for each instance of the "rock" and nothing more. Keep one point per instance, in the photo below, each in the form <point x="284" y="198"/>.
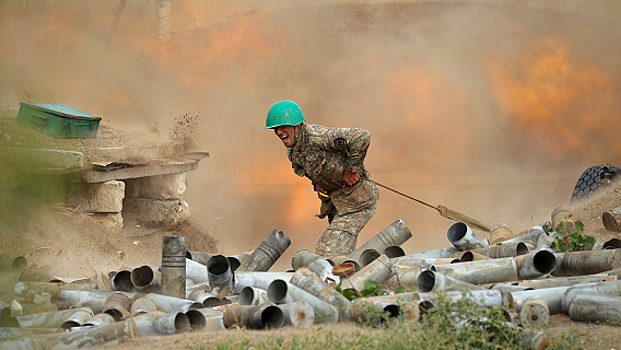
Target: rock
<point x="162" y="187"/>
<point x="104" y="197"/>
<point x="156" y="212"/>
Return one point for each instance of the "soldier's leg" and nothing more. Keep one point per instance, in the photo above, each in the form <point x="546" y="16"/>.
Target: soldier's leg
<point x="341" y="236"/>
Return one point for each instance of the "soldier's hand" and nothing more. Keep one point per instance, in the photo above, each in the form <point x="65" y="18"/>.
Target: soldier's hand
<point x="350" y="179"/>
<point x="321" y="192"/>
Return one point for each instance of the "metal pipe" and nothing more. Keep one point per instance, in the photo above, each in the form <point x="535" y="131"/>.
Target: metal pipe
<point x="430" y="281"/>
<point x="468" y="255"/>
<point x="5" y="309"/>
<point x="367" y="256"/>
<point x="433" y="254"/>
<point x="378" y="271"/>
<point x="442" y="261"/>
<point x="394" y="251"/>
<point x="612" y="219"/>
<point x="142" y="306"/>
<point x="29" y="290"/>
<point x="25" y="343"/>
<point x="76" y="319"/>
<point x="198" y="257"/>
<point x="560" y="214"/>
<point x="220" y="275"/>
<point x="553" y="296"/>
<point x="254" y="317"/>
<point x="145" y="279"/>
<point x="535" y="312"/>
<point x="195" y="271"/>
<point x="406" y="277"/>
<point x="321" y="266"/>
<point x="479" y="297"/>
<point x="266" y="254"/>
<point x="396" y="233"/>
<point x="213" y="323"/>
<point x="96" y="300"/>
<point x="609" y="288"/>
<point x="298" y="314"/>
<point x="341" y="265"/>
<point x="503" y="250"/>
<point x="12" y="262"/>
<point x="612" y="243"/>
<point x="370" y="310"/>
<point x="173" y="266"/>
<point x="52" y="319"/>
<point x="462" y="237"/>
<point x="505" y="289"/>
<point x="161" y="323"/>
<point x="14" y="332"/>
<point x="99" y="320"/>
<point x="206" y="298"/>
<point x="481" y="271"/>
<point x="309" y="282"/>
<point x="197" y="320"/>
<point x="499" y="233"/>
<point x="531" y="236"/>
<point x="258" y="279"/>
<point x="122" y="281"/>
<point x="399" y="297"/>
<point x="563" y="281"/>
<point x="118" y="306"/>
<point x="535" y="265"/>
<point x="595" y="307"/>
<point x="413" y="262"/>
<point x="587" y="262"/>
<point x="170" y="304"/>
<point x="93" y="337"/>
<point x="253" y="296"/>
<point x="279" y="291"/>
<point x="236" y="260"/>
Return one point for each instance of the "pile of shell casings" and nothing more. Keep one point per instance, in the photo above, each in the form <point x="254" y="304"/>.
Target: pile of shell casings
<point x="198" y="292"/>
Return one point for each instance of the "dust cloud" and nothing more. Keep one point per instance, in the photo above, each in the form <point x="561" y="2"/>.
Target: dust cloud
<point x="491" y="108"/>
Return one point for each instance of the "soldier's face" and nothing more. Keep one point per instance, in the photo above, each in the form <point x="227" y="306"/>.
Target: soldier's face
<point x="286" y="133"/>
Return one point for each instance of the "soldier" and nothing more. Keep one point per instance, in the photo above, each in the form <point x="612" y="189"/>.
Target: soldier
<point x="332" y="158"/>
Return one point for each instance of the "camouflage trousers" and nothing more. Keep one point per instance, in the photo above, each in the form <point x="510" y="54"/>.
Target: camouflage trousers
<point x="342" y="234"/>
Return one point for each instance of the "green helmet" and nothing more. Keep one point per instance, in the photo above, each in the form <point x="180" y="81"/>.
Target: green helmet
<point x="284" y="112"/>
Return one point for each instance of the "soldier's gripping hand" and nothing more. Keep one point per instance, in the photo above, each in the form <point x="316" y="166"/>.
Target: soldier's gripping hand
<point x="322" y="193"/>
<point x="350" y="179"/>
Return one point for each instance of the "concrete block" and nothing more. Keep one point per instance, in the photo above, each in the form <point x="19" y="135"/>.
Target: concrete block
<point x="48" y="158"/>
<point x="162" y="187"/>
<point x="104" y="197"/>
<point x="156" y="212"/>
<point x="109" y="221"/>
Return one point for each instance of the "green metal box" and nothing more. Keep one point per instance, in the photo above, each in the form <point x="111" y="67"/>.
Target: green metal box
<point x="58" y="120"/>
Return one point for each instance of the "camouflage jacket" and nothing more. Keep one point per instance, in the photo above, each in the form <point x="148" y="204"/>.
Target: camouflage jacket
<point x="323" y="154"/>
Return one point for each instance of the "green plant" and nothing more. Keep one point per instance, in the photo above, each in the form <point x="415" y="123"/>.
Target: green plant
<point x="463" y="324"/>
<point x="569" y="237"/>
<point x="567" y="342"/>
<point x="372" y="288"/>
<point x="350" y="294"/>
<point x="450" y="325"/>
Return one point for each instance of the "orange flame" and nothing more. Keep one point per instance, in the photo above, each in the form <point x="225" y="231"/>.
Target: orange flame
<point x="555" y="97"/>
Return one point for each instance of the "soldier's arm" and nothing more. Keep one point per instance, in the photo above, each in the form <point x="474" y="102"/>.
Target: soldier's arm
<point x="355" y="141"/>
